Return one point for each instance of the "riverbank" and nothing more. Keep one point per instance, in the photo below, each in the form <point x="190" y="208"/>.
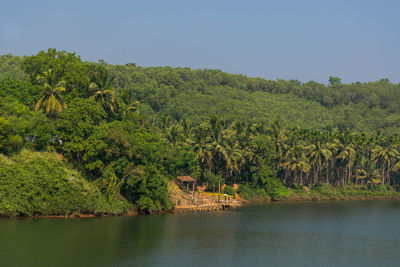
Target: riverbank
<point x="220" y="207"/>
<point x="51" y="199"/>
<point x="326" y="192"/>
<point x="336" y="198"/>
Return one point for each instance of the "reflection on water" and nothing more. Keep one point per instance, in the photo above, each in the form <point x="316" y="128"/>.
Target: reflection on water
<point x="364" y="233"/>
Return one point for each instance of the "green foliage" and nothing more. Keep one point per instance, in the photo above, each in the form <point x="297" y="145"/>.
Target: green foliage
<point x="110" y="152"/>
<point x="328" y="191"/>
<point x="76" y="124"/>
<point x="334" y="81"/>
<point x="33" y="128"/>
<point x="275" y="189"/>
<point x="10" y="66"/>
<point x="33" y="183"/>
<point x="101" y="85"/>
<point x="51" y="101"/>
<point x="267" y="180"/>
<point x="229" y="190"/>
<point x="148" y="191"/>
<point x="213" y="181"/>
<point x="196" y="94"/>
<point x="3" y="133"/>
<point x="248" y="192"/>
<point x="23" y="91"/>
<point x="181" y="160"/>
<point x="67" y="67"/>
<point x="182" y="93"/>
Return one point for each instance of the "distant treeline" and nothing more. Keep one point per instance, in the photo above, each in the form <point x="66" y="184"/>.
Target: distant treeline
<point x="197" y="94"/>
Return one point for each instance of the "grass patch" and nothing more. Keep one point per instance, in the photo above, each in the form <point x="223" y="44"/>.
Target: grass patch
<point x="347" y="192"/>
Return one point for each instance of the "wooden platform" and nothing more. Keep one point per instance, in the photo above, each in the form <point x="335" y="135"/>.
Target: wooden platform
<point x="201" y="208"/>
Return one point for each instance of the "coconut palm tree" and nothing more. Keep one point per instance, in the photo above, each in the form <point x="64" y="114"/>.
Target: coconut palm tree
<point x="296" y="168"/>
<point x="174" y="134"/>
<point x="101" y="83"/>
<point x="368" y="173"/>
<point x="383" y="157"/>
<point x="134" y="107"/>
<point x="345" y="160"/>
<point x="51" y="101"/>
<point x="281" y="146"/>
<point x="234" y="162"/>
<point x="319" y="155"/>
<point x="204" y="154"/>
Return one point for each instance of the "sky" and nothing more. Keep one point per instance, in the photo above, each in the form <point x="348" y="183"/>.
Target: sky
<point x="356" y="40"/>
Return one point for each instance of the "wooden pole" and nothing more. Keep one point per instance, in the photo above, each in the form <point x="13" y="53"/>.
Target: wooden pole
<point x="193" y="191"/>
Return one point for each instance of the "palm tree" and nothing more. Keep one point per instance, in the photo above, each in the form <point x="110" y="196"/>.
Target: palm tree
<point x="166" y="123"/>
<point x="281" y="146"/>
<point x="319" y="156"/>
<point x="234" y="161"/>
<point x="134" y="107"/>
<point x="332" y="146"/>
<point x="297" y="167"/>
<point x="51" y="101"/>
<point x="187" y="130"/>
<point x="296" y="164"/>
<point x="345" y="159"/>
<point x="384" y="157"/>
<point x="368" y="173"/>
<point x="101" y="82"/>
<point x="174" y="134"/>
<point x="203" y="150"/>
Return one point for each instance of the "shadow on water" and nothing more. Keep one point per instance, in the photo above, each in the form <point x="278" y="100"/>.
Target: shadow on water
<point x="353" y="233"/>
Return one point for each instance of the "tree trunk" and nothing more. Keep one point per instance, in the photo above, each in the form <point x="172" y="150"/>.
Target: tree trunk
<point x="349" y="174"/>
<point x="388" y="174"/>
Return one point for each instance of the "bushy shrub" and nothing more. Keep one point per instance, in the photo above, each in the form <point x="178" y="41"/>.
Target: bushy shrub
<point x="248" y="192"/>
<point x="275" y="189"/>
<point x="273" y="186"/>
<point x="229" y="190"/>
<point x="148" y="191"/>
<point x="33" y="183"/>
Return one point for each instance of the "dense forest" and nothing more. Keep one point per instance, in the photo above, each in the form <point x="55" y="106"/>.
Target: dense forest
<point x="196" y="94"/>
<point x="107" y="138"/>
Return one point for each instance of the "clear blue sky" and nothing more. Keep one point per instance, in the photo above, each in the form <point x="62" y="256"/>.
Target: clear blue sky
<point x="304" y="40"/>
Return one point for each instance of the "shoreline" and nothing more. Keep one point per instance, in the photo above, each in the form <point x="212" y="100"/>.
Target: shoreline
<point x="335" y="198"/>
<point x="219" y="207"/>
<point x="324" y="199"/>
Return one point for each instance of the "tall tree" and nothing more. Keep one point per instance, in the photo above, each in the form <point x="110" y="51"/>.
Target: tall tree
<point x="101" y="83"/>
<point x="52" y="101"/>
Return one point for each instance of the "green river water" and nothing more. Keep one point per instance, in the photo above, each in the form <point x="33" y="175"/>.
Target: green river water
<point x="353" y="233"/>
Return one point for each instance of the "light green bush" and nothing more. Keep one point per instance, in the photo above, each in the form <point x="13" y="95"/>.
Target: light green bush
<point x="33" y="183"/>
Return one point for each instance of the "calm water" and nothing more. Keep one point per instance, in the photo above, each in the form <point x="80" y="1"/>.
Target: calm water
<point x="305" y="234"/>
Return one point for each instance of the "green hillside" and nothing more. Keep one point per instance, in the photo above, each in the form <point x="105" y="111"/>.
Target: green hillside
<point x="196" y="94"/>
